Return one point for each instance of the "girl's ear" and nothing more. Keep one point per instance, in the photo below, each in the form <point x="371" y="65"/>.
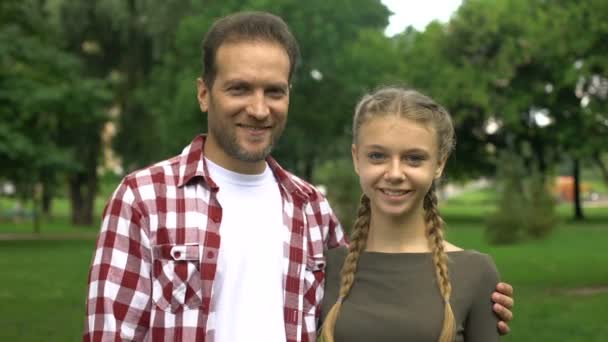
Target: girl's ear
<point x="353" y="151"/>
<point x="440" y="166"/>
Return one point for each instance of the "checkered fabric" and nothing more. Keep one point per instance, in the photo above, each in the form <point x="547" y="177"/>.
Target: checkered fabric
<point x="153" y="270"/>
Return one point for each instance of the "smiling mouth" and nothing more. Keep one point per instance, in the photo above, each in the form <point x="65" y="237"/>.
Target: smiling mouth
<point x="392" y="192"/>
<point x="254" y="128"/>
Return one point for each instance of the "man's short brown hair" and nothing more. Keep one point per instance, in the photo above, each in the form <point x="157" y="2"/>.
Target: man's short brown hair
<point x="247" y="26"/>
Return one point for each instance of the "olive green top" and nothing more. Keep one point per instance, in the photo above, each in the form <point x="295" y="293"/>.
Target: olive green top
<point x="395" y="297"/>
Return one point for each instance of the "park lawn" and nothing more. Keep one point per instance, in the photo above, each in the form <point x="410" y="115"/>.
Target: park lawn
<point x="43" y="289"/>
<point x="561" y="282"/>
<point x="58" y="223"/>
<point x="555" y="280"/>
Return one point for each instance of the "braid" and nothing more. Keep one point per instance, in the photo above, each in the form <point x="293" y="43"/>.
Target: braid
<point x="434" y="232"/>
<point x="347" y="274"/>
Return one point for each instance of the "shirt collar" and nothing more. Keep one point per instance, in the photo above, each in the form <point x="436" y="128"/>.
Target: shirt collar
<point x="192" y="164"/>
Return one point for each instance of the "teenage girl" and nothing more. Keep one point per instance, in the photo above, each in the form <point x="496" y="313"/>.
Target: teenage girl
<point x="399" y="279"/>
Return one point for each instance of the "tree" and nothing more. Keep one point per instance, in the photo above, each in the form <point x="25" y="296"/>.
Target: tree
<point x="519" y="64"/>
<point x="45" y="102"/>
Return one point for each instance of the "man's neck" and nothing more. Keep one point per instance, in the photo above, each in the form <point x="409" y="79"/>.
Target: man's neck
<point x="212" y="151"/>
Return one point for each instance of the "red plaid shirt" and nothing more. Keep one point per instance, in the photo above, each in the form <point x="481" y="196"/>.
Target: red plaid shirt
<point x="154" y="266"/>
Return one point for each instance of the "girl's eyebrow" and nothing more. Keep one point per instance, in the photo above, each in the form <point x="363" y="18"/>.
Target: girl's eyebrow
<point x="410" y="150"/>
<point x="375" y="146"/>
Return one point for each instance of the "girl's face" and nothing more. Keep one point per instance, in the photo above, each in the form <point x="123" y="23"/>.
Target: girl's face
<point x="397" y="160"/>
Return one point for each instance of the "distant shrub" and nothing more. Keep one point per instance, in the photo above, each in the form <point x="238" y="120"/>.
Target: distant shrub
<point x="525" y="205"/>
<point x="342" y="186"/>
<point x="507" y="224"/>
<point x="541" y="215"/>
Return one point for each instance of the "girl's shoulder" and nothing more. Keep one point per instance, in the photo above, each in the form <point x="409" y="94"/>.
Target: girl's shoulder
<point x="336" y="254"/>
<point x="476" y="262"/>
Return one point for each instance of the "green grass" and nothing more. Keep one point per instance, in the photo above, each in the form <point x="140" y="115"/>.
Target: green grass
<point x="44" y="282"/>
<point x="59" y="222"/>
<point x="543" y="273"/>
<point x="43" y="289"/>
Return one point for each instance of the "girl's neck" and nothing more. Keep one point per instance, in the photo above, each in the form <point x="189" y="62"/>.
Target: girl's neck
<point x="402" y="235"/>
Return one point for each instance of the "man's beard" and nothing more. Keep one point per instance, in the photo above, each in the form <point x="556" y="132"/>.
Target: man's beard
<point x="229" y="143"/>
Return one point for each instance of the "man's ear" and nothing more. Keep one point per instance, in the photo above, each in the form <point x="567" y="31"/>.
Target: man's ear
<point x="353" y="151"/>
<point x="202" y="94"/>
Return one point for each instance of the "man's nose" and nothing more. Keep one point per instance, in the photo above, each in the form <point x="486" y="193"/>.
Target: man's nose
<point x="258" y="107"/>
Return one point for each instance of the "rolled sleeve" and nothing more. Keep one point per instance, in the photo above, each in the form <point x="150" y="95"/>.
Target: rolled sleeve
<point x="119" y="286"/>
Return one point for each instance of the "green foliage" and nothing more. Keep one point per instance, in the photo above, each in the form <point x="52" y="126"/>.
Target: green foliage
<point x="49" y="110"/>
<point x="541" y="213"/>
<point x="63" y="64"/>
<point x="507" y="224"/>
<point x="343" y="190"/>
<point x="525" y="208"/>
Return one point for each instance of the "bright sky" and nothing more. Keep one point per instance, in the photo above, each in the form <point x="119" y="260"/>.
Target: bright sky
<point x="418" y="13"/>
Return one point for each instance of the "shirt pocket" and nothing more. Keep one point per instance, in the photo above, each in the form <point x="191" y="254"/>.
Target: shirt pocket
<point x="313" y="283"/>
<point x="315" y="267"/>
<point x="176" y="279"/>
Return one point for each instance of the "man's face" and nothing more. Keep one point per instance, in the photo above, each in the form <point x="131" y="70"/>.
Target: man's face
<point x="247" y="104"/>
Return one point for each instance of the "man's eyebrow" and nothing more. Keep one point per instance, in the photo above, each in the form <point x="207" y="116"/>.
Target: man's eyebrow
<point x="235" y="81"/>
<point x="238" y="81"/>
<point x="279" y="85"/>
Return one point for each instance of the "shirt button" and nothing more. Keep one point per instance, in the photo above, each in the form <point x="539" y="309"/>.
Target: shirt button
<point x="210" y="255"/>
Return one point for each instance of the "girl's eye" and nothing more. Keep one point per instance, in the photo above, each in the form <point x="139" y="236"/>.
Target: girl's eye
<point x="375" y="156"/>
<point x="415" y="160"/>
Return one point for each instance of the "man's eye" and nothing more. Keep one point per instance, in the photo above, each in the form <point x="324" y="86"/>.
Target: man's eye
<point x="276" y="93"/>
<point x="237" y="90"/>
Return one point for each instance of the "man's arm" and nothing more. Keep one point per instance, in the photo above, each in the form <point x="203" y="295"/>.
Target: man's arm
<point x="325" y="233"/>
<point x="503" y="306"/>
<point x="118" y="301"/>
<point x="335" y="236"/>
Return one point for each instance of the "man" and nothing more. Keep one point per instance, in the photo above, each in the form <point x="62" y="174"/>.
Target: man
<point x="220" y="243"/>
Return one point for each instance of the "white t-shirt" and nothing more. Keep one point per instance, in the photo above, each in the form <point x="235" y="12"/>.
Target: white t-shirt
<point x="248" y="286"/>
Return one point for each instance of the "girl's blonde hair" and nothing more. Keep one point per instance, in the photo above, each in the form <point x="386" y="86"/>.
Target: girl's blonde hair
<point x="409" y="104"/>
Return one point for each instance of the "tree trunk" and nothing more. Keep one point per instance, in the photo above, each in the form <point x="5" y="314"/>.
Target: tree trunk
<point x="47" y="200"/>
<point x="578" y="208"/>
<point x="76" y="202"/>
<point x="597" y="158"/>
<point x="83" y="188"/>
<point x="82" y="198"/>
<point x="36" y="201"/>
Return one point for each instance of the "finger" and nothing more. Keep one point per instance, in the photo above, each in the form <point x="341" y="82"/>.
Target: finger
<point x="505" y="289"/>
<point x="503" y="313"/>
<point x="503" y="328"/>
<point x="503" y="300"/>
